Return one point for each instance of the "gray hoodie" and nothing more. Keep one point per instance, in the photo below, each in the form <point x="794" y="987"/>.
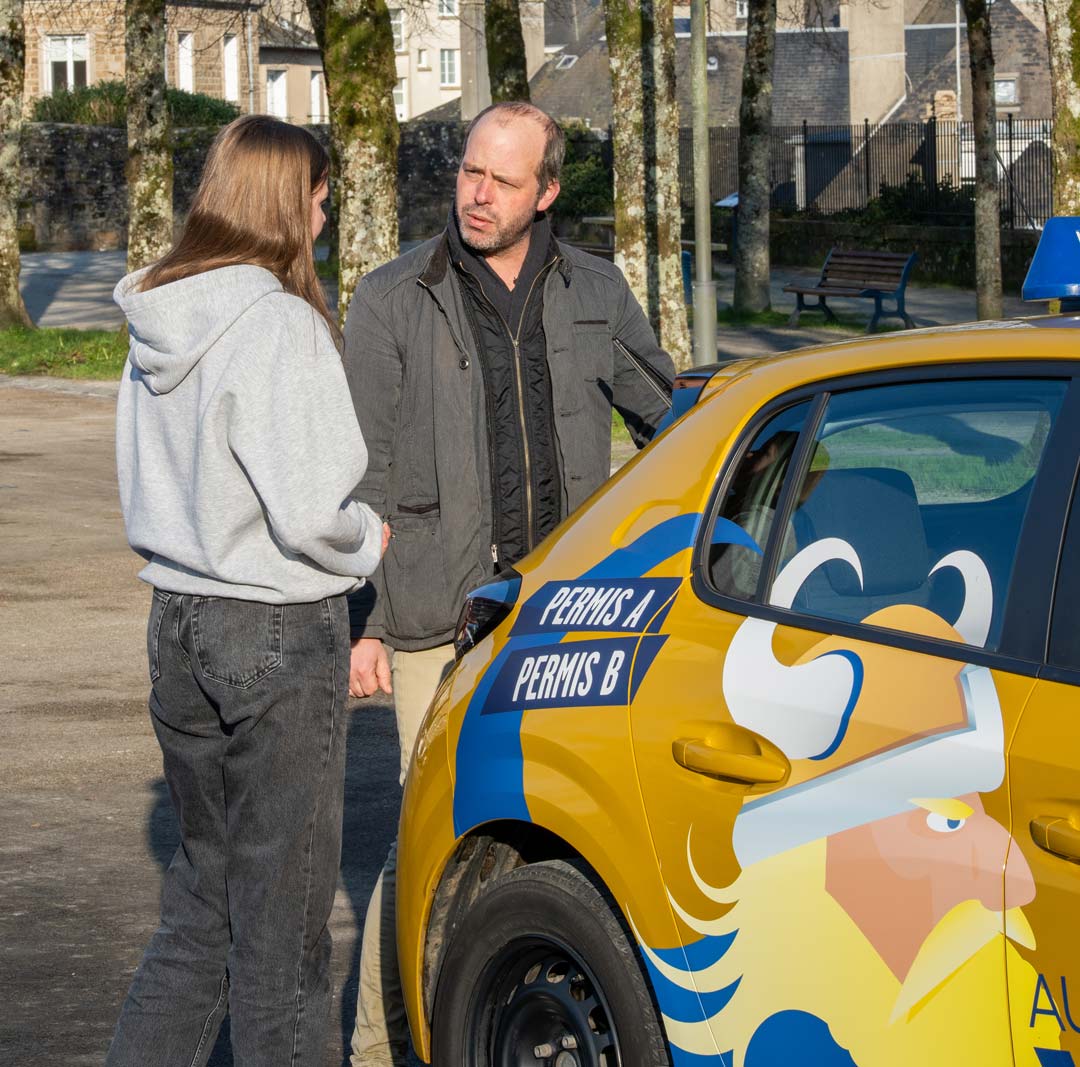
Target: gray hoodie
<point x="237" y="444"/>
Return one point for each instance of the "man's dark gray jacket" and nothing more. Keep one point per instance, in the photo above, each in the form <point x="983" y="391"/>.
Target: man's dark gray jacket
<point x="416" y="384"/>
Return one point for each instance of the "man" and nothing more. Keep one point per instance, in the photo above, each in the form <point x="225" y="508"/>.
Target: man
<point x="483" y="370"/>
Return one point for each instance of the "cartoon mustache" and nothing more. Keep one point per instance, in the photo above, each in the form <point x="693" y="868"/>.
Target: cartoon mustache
<point x="960" y="934"/>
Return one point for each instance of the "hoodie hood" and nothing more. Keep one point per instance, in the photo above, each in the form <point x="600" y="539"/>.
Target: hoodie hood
<point x="173" y="326"/>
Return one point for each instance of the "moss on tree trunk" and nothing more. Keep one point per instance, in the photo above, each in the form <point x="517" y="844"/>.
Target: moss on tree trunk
<point x="12" y="54"/>
<point x="149" y="163"/>
<point x="987" y="209"/>
<point x="755" y="127"/>
<point x="506" y="62"/>
<point x="357" y="45"/>
<point x="1063" y="38"/>
<point x="645" y="135"/>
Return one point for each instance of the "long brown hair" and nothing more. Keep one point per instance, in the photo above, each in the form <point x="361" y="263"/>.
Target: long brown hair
<point x="253" y="206"/>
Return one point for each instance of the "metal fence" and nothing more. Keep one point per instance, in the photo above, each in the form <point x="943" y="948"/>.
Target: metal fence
<point x="925" y="170"/>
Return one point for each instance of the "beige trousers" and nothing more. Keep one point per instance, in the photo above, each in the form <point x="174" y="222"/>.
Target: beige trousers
<point x="381" y="1036"/>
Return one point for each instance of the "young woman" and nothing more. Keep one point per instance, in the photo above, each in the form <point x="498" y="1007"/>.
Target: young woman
<point x="237" y="451"/>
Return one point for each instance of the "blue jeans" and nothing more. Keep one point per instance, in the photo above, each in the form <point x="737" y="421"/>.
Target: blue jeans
<point x="248" y="704"/>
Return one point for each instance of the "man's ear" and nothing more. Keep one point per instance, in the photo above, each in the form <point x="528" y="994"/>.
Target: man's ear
<point x="548" y="198"/>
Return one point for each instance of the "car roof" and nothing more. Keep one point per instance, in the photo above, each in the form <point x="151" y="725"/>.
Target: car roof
<point x="1049" y="337"/>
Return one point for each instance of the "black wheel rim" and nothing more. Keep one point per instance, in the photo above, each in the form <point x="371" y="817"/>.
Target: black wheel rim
<point x="538" y="1005"/>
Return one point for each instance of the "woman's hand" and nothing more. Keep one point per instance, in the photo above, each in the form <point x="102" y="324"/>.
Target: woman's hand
<point x="386" y="535"/>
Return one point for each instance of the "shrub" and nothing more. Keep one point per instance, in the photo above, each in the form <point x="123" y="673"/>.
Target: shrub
<point x="105" y="104"/>
<point x="587" y="189"/>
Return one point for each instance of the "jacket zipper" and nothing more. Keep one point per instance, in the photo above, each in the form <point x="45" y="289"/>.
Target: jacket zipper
<point x="519" y="388"/>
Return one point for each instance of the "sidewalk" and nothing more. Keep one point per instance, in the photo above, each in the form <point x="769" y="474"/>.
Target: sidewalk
<point x="75" y="289"/>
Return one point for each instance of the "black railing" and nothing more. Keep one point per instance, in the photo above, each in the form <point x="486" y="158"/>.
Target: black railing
<point x="921" y="172"/>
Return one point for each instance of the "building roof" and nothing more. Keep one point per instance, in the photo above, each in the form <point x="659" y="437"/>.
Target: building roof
<point x="581" y="90"/>
<point x="284" y="33"/>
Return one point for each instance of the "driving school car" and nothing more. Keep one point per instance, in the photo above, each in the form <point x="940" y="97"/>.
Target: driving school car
<point x="771" y="753"/>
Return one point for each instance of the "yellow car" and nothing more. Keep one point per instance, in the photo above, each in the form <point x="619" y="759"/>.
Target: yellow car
<point x="770" y="755"/>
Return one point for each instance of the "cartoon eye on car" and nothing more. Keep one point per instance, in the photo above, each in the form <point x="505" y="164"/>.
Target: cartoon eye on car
<point x="770" y="755"/>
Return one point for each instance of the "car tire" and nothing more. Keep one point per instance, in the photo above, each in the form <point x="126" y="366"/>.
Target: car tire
<point x="542" y="971"/>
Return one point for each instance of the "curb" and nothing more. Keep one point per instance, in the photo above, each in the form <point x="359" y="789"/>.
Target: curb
<point x="69" y="386"/>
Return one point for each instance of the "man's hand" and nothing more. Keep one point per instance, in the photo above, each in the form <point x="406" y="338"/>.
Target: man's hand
<point x="369" y="668"/>
<point x="386" y="535"/>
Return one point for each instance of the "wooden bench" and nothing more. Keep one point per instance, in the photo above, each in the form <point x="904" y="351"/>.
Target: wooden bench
<point x="874" y="275"/>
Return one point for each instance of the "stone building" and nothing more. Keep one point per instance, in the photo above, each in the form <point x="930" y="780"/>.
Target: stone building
<point x="260" y="56"/>
<point x="211" y="48"/>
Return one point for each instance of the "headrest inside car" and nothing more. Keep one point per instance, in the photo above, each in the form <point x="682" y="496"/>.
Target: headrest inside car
<point x="876" y="511"/>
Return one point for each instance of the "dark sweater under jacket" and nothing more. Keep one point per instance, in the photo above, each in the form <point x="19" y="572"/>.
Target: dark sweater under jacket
<point x="508" y="328"/>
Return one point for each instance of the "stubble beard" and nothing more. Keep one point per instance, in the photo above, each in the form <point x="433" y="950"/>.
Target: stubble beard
<point x="505" y="233"/>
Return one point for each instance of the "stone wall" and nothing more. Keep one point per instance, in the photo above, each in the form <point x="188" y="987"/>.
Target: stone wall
<point x="74" y="193"/>
<point x="101" y="23"/>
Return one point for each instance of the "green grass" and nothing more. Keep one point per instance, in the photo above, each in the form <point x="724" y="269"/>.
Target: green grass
<point x="63" y="353"/>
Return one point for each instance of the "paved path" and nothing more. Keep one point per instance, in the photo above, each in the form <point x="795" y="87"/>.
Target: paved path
<point x="75" y="289"/>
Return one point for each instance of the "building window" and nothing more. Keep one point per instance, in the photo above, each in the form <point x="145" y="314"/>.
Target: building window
<point x="231" y="66"/>
<point x="65" y="67"/>
<point x="422" y="59"/>
<point x="277" y="103"/>
<point x="741" y="9"/>
<point x="397" y="25"/>
<point x="565" y="62"/>
<point x="1006" y="92"/>
<point x="447" y="8"/>
<point x="185" y="66"/>
<point x="399" y="100"/>
<point x="448" y="73"/>
<point x="319" y="108"/>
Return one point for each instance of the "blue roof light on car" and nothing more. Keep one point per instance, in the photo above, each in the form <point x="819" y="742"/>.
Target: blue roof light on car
<point x="1054" y="273"/>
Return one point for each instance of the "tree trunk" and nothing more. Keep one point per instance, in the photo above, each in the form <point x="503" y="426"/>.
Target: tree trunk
<point x="1063" y="38"/>
<point x="507" y="67"/>
<point x="149" y="164"/>
<point x="623" y="24"/>
<point x="987" y="208"/>
<point x="663" y="196"/>
<point x="357" y="46"/>
<point x="645" y="136"/>
<point x="755" y="130"/>
<point x="12" y="54"/>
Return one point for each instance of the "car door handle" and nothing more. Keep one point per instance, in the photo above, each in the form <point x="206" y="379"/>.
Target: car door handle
<point x="1058" y="835"/>
<point x="734" y="754"/>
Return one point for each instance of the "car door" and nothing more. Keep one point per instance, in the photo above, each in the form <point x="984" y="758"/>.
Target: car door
<point x="1044" y="776"/>
<point x="821" y="739"/>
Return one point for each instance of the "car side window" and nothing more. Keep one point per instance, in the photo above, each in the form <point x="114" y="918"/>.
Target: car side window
<point x="910" y="512"/>
<point x="741" y="529"/>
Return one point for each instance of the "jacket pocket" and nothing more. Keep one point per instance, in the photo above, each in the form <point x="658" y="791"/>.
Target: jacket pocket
<point x="237" y="642"/>
<point x="415" y="580"/>
<point x="592" y="349"/>
<point x="158" y="603"/>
